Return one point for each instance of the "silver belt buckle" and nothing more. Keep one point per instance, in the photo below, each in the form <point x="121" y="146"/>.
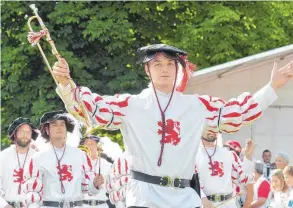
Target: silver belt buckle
<point x="17" y="204"/>
<point x="66" y="204"/>
<point x="93" y="203"/>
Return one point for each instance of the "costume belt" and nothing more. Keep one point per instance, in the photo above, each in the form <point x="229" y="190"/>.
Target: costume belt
<point x="219" y="197"/>
<point x="16" y="204"/>
<point x="166" y="181"/>
<point x="93" y="202"/>
<point x="62" y="204"/>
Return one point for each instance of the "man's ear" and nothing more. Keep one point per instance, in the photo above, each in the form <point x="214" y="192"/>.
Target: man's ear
<point x="147" y="71"/>
<point x="47" y="130"/>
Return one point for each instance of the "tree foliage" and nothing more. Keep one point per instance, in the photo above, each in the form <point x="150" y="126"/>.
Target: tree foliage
<point x="99" y="41"/>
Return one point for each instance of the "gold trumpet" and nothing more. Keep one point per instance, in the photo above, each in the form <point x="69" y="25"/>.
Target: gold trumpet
<point x="33" y="38"/>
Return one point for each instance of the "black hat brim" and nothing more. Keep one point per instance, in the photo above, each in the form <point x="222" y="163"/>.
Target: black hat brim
<point x="19" y="122"/>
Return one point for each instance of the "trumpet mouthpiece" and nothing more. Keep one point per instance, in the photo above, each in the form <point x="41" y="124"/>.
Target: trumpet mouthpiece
<point x="33" y="7"/>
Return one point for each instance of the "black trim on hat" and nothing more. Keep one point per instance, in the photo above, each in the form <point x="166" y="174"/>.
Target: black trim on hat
<point x="147" y="53"/>
<point x="53" y="116"/>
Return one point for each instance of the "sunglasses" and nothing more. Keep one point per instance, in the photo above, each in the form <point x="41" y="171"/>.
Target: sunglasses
<point x="151" y="55"/>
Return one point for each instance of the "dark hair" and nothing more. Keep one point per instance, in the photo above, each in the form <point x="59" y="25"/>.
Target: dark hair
<point x="266" y="151"/>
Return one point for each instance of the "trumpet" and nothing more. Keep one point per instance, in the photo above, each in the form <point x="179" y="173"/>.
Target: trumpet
<point x="34" y="38"/>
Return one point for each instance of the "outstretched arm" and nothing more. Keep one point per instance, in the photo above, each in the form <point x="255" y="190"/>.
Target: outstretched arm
<point x="228" y="117"/>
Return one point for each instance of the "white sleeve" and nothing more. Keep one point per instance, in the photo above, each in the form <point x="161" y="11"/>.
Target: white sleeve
<point x="3" y="202"/>
<point x="247" y="166"/>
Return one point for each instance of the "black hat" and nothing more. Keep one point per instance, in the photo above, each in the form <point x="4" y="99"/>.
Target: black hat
<point x="17" y="123"/>
<point x="147" y="53"/>
<point x="53" y="116"/>
<point x="93" y="137"/>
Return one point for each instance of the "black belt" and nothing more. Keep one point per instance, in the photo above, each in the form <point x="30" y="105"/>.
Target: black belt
<point x="61" y="204"/>
<point x="16" y="204"/>
<point x="162" y="181"/>
<point x="93" y="202"/>
<point x="219" y="197"/>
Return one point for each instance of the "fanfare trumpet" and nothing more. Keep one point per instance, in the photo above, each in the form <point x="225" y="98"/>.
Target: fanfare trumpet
<point x="34" y="38"/>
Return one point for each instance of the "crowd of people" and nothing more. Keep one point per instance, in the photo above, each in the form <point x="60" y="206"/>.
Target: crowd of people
<point x="173" y="158"/>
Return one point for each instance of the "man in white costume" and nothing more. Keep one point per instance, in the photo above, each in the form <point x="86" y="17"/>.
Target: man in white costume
<point x="59" y="175"/>
<point x="100" y="166"/>
<point x="12" y="162"/>
<point x="219" y="171"/>
<point x="162" y="127"/>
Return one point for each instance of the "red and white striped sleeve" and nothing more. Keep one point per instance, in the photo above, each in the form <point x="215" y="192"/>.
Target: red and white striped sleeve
<point x="104" y="111"/>
<point x="239" y="177"/>
<point x="117" y="181"/>
<point x="33" y="184"/>
<point x="87" y="183"/>
<point x="228" y="117"/>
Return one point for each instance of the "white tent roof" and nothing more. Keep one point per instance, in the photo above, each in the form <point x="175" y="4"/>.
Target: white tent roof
<point x="285" y="52"/>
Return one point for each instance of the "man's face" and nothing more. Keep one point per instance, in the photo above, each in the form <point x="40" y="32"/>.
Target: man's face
<point x="92" y="145"/>
<point x="280" y="162"/>
<point x="162" y="70"/>
<point x="266" y="157"/>
<point x="57" y="129"/>
<point x="23" y="135"/>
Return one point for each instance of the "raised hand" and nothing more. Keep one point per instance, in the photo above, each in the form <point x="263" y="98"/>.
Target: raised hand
<point x="61" y="72"/>
<point x="281" y="76"/>
<point x="249" y="149"/>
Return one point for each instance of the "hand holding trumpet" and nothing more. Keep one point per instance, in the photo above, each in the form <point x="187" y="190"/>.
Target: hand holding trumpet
<point x="61" y="72"/>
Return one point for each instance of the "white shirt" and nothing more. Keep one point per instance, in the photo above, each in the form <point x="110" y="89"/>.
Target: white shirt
<point x="11" y="174"/>
<point x="42" y="177"/>
<point x="281" y="199"/>
<point x="138" y="118"/>
<point x="256" y="186"/>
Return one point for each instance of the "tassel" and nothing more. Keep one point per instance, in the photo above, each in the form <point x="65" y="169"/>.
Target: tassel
<point x="34" y="37"/>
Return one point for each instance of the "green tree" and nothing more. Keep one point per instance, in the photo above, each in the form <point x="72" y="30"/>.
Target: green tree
<point x="99" y="41"/>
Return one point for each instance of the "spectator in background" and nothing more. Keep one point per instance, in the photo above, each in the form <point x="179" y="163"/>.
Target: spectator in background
<point x="281" y="160"/>
<point x="268" y="166"/>
<point x="280" y="190"/>
<point x="288" y="174"/>
<point x="261" y="187"/>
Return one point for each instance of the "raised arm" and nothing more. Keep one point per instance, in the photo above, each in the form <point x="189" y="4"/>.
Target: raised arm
<point x="228" y="117"/>
<point x="103" y="111"/>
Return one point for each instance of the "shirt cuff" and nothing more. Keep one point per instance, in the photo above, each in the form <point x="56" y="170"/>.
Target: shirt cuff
<point x="265" y="97"/>
<point x="247" y="165"/>
<point x="93" y="190"/>
<point x="65" y="89"/>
